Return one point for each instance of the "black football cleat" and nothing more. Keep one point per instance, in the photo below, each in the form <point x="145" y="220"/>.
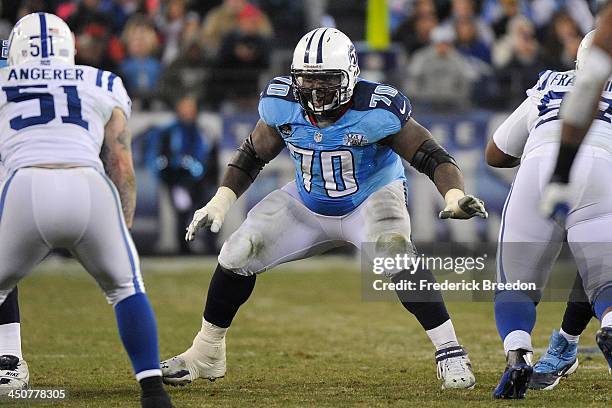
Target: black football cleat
<point x="603" y="337"/>
<point x="513" y="383"/>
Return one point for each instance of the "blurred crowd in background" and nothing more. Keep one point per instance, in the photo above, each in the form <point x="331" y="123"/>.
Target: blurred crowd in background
<point x="458" y="60"/>
<point x="457" y="53"/>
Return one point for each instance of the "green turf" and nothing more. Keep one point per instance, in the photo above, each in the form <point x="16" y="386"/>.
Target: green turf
<point x="305" y="338"/>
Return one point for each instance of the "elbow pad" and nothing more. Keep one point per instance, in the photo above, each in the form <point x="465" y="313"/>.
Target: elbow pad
<point x="247" y="160"/>
<point x="429" y="156"/>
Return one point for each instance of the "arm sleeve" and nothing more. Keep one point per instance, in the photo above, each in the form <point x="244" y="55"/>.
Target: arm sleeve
<point x="119" y="97"/>
<point x="267" y="112"/>
<point x="111" y="91"/>
<point x="276" y="101"/>
<point x="390" y="118"/>
<point x="511" y="136"/>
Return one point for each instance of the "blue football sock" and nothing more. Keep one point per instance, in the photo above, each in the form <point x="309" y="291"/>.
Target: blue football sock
<point x="603" y="302"/>
<point x="138" y="332"/>
<point x="514" y="310"/>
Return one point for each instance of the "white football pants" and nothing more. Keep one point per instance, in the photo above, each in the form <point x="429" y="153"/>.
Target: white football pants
<point x="281" y="229"/>
<point x="77" y="209"/>
<point x="529" y="243"/>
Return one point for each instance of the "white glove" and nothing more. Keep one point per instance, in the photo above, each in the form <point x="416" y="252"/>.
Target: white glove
<point x="213" y="213"/>
<point x="461" y="206"/>
<point x="556" y="201"/>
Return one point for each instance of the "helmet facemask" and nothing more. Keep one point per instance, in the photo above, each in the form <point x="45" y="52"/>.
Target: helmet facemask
<point x="321" y="92"/>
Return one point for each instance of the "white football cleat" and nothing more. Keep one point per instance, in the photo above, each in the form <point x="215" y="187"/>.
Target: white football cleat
<point x="14" y="374"/>
<point x="204" y="359"/>
<point x="455" y="368"/>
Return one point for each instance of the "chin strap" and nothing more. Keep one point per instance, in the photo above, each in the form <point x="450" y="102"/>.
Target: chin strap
<point x="332" y="115"/>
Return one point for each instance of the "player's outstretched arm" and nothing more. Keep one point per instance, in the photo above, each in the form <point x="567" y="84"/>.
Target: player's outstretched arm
<point x="578" y="111"/>
<point x="258" y="149"/>
<point x="580" y="105"/>
<point x="497" y="158"/>
<point x="506" y="146"/>
<point x="117" y="158"/>
<point x="415" y="144"/>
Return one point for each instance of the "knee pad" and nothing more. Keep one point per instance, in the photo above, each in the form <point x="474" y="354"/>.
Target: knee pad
<point x="390" y="245"/>
<point x="238" y="252"/>
<point x="386" y="217"/>
<point x="393" y="243"/>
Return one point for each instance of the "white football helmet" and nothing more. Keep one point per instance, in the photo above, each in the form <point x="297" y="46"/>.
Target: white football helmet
<point x="41" y="36"/>
<point x="584" y="47"/>
<point x="324" y="70"/>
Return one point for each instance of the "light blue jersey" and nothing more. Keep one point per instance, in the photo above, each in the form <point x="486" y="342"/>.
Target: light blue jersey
<point x="339" y="166"/>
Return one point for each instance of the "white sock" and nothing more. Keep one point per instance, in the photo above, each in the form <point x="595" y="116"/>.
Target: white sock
<point x="606" y="320"/>
<point x="443" y="336"/>
<point x="570" y="338"/>
<point x="517" y="339"/>
<point x="209" y="333"/>
<point x="10" y="339"/>
<point x="212" y="332"/>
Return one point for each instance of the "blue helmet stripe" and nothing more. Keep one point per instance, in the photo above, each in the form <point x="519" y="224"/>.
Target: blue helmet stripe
<point x="307" y="53"/>
<point x="320" y="48"/>
<point x="43" y="35"/>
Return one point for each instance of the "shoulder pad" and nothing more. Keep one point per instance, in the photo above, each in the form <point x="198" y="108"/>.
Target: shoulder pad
<point x="375" y="96"/>
<point x="279" y="87"/>
<point x="386" y="109"/>
<point x="113" y="86"/>
<point x="277" y="102"/>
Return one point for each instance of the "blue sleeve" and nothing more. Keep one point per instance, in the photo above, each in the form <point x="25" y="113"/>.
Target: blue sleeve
<point x="277" y="102"/>
<point x="389" y="118"/>
<point x="401" y="108"/>
<point x="388" y="109"/>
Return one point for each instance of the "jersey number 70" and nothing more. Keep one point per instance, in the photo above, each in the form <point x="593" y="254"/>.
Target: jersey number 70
<point x="329" y="162"/>
<point x="18" y="94"/>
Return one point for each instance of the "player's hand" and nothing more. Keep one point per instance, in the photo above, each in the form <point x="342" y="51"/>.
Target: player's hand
<point x="461" y="206"/>
<point x="212" y="214"/>
<point x="556" y="201"/>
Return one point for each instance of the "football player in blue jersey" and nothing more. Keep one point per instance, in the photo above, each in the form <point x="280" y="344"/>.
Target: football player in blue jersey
<point x="347" y="138"/>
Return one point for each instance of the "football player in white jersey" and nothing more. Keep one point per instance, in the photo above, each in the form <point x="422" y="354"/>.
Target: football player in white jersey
<point x="579" y="110"/>
<point x="55" y="117"/>
<point x="529" y="242"/>
<point x="14" y="373"/>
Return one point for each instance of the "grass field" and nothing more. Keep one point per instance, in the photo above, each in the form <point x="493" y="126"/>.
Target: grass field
<point x="305" y="338"/>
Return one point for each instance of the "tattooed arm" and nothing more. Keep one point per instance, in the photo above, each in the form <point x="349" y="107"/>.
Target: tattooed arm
<point x="117" y="158"/>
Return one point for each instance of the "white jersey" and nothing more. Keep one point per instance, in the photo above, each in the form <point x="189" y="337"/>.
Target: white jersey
<point x="56" y="113"/>
<point x="536" y="121"/>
